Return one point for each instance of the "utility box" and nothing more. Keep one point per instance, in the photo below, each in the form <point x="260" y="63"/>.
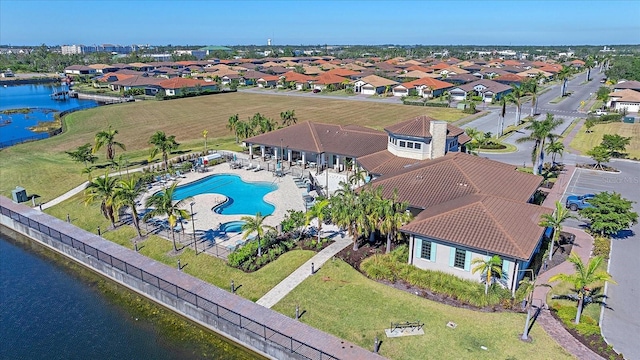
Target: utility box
<point x="19" y="194"/>
<point x="629" y="120"/>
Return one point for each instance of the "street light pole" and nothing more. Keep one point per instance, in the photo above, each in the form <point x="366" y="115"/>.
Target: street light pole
<point x="193" y="226"/>
<point x="525" y="332"/>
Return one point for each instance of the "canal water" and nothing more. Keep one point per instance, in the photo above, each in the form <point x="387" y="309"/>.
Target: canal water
<point x="55" y="309"/>
<point x="14" y="127"/>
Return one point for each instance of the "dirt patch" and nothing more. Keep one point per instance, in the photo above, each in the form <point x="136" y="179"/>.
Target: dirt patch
<point x="355" y="257"/>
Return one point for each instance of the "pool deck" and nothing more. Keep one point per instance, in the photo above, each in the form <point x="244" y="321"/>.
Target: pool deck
<point x="287" y="196"/>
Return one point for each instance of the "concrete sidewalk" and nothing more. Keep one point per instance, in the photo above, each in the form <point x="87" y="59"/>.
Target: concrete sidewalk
<point x="290" y="282"/>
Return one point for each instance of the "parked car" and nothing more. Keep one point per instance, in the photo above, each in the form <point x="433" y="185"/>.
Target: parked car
<point x="575" y="202"/>
<point x="315" y="91"/>
<point x="600" y="112"/>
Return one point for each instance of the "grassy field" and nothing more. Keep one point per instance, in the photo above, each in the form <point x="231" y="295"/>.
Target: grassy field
<point x="341" y="301"/>
<point x="584" y="141"/>
<point x="43" y="168"/>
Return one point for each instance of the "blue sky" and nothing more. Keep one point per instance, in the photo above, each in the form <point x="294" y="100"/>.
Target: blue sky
<point x="296" y="22"/>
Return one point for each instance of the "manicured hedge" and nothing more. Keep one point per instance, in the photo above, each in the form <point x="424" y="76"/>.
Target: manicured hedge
<point x="393" y="267"/>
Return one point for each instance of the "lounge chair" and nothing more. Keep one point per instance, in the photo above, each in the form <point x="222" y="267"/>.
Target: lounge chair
<point x="249" y="167"/>
<point x="258" y="168"/>
<point x="180" y="175"/>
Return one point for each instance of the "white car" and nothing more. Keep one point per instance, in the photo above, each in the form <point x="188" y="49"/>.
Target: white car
<point x="600" y="112"/>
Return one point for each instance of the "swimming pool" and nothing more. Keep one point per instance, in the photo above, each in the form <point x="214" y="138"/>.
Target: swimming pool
<point x="232" y="226"/>
<point x="244" y="198"/>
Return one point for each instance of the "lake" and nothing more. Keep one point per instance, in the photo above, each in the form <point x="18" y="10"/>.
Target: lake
<point x="14" y="128"/>
<point x="53" y="308"/>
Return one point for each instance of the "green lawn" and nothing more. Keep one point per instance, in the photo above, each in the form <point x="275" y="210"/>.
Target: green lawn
<point x="205" y="267"/>
<point x="343" y="302"/>
<point x="584" y="141"/>
<point x="43" y="168"/>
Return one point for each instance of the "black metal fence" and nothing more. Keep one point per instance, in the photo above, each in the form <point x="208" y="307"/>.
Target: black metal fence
<point x="218" y="311"/>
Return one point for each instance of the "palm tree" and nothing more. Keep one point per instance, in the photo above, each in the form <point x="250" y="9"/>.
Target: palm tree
<point x="83" y="154"/>
<point x="106" y="138"/>
<point x="358" y="176"/>
<point x="126" y="193"/>
<point x="582" y="279"/>
<point x="515" y="97"/>
<point x="540" y="131"/>
<point x="490" y="269"/>
<point x="532" y="87"/>
<point x="232" y="125"/>
<point x="447" y="96"/>
<point x="244" y="129"/>
<point x="589" y="63"/>
<point x="103" y="189"/>
<point x="254" y="224"/>
<point x="555" y="221"/>
<point x="394" y="216"/>
<point x="162" y="204"/>
<point x="554" y="148"/>
<point x="317" y="211"/>
<point x="204" y="135"/>
<point x="163" y="144"/>
<point x="288" y="117"/>
<point x="563" y="75"/>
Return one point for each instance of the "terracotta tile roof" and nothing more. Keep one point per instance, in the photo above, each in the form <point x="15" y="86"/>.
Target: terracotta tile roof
<point x="313" y="70"/>
<point x="252" y="74"/>
<point x="511" y="63"/>
<point x="384" y="162"/>
<point x="269" y="78"/>
<point x="487" y="223"/>
<point x="626" y="95"/>
<point x="138" y="80"/>
<point x="439" y="66"/>
<point x="354" y="67"/>
<point x="378" y="81"/>
<point x="551" y="68"/>
<point x="430" y="182"/>
<point x="342" y="72"/>
<point x="435" y="84"/>
<point x="106" y="77"/>
<point x="350" y="140"/>
<point x="455" y="69"/>
<point x="327" y="79"/>
<point x="102" y="66"/>
<point x="297" y="77"/>
<point x="140" y="65"/>
<point x="419" y="68"/>
<point x="533" y="72"/>
<point x="419" y="127"/>
<point x="178" y="82"/>
<point x="632" y="84"/>
<point x="509" y="78"/>
<point x="419" y="75"/>
<point x="578" y="62"/>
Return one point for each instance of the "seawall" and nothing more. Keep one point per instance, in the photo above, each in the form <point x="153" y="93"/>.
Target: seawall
<point x="41" y="80"/>
<point x="253" y="326"/>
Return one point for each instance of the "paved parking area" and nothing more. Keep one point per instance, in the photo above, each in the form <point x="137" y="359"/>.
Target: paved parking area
<point x="621" y="323"/>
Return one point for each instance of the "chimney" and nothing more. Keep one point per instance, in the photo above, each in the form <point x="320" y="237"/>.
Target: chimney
<point x="438" y="130"/>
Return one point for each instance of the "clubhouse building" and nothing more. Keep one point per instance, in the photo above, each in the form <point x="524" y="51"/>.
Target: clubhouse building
<point x="465" y="206"/>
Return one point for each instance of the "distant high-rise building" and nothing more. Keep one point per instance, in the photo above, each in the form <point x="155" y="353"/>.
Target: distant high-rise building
<point x="268" y="42"/>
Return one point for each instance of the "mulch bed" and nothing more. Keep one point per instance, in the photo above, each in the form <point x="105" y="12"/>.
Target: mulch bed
<point x="561" y="251"/>
<point x="594" y="342"/>
<point x="593" y="167"/>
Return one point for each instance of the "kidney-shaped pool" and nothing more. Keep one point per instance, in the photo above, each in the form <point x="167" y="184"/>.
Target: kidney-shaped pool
<point x="243" y="198"/>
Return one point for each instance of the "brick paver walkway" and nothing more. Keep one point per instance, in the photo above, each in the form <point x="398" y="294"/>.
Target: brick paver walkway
<point x="290" y="282"/>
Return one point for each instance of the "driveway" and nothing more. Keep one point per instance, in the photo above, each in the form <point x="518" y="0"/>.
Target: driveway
<point x="622" y="321"/>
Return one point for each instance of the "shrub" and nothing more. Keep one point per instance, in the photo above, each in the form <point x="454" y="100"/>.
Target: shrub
<point x="393" y="267"/>
<point x="601" y="246"/>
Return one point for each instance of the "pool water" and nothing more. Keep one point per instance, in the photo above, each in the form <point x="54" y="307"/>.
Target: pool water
<point x="245" y="198"/>
<point x="232" y="226"/>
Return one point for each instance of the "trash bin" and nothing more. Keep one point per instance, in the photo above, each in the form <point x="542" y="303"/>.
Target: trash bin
<point x="19" y="194"/>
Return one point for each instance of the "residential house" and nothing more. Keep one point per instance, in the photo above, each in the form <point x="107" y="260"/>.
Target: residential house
<point x="176" y="86"/>
<point x="633" y="85"/>
<point x="251" y="77"/>
<point x="417" y="74"/>
<point x="489" y="90"/>
<point x="625" y="100"/>
<point x="103" y="68"/>
<point x="509" y="79"/>
<point x="149" y="84"/>
<point x="373" y="85"/>
<point x="79" y="70"/>
<point x="533" y="72"/>
<point x="268" y="81"/>
<point x="142" y="66"/>
<point x="460" y="79"/>
<point x="425" y="87"/>
<point x="301" y="81"/>
<point x="323" y="81"/>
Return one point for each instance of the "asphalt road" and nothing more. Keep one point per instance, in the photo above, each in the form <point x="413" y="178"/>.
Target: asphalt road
<point x="620" y="323"/>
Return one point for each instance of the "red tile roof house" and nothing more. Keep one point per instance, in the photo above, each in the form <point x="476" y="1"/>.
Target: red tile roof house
<point x="425" y="87"/>
<point x="175" y="86"/>
<point x="324" y="80"/>
<point x="466" y="207"/>
<point x="268" y="81"/>
<point x="149" y="84"/>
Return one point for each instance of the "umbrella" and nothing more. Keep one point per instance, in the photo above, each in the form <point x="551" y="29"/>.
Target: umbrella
<point x="234" y="157"/>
